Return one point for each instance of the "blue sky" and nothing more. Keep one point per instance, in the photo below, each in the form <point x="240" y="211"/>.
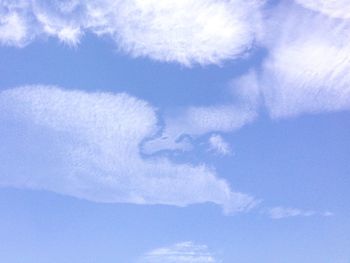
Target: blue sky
<point x="174" y="131"/>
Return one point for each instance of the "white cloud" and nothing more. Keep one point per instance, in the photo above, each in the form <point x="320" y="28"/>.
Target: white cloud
<point x="332" y="8"/>
<point x="201" y="120"/>
<point x="182" y="31"/>
<point x="308" y="63"/>
<point x="280" y="212"/>
<point x="196" y="121"/>
<point x="13" y="30"/>
<point x="327" y="214"/>
<point x="186" y="124"/>
<point x="65" y="20"/>
<point x="219" y="145"/>
<point x="87" y="145"/>
<point x="185" y="252"/>
<point x="284" y="212"/>
<point x="246" y="92"/>
<point x="186" y="31"/>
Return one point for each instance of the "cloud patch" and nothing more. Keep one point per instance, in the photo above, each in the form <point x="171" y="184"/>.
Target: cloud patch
<point x="218" y="144"/>
<point x="86" y="145"/>
<point x="196" y="121"/>
<point x="307" y="68"/>
<point x="184" y="126"/>
<point x="280" y="212"/>
<point x="13" y="30"/>
<point x="184" y="31"/>
<point x="185" y="252"/>
<point x="335" y="8"/>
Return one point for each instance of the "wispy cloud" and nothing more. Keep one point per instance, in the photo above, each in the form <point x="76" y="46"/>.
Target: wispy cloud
<point x="87" y="145"/>
<point x="183" y="31"/>
<point x="185" y="252"/>
<point x="280" y="212"/>
<point x="195" y="121"/>
<point x="308" y="63"/>
<point x="337" y="8"/>
<point x="13" y="30"/>
<point x="218" y="144"/>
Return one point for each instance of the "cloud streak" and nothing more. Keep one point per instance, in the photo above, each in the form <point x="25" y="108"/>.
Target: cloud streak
<point x="185" y="252"/>
<point x="280" y="212"/>
<point x="87" y="145"/>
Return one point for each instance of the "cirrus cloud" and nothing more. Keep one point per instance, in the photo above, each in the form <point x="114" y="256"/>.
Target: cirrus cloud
<point x="87" y="145"/>
<point x="280" y="212"/>
<point x="184" y="252"/>
<point x="306" y="70"/>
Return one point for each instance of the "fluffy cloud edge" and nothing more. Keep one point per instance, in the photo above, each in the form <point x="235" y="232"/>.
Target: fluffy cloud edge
<point x="187" y="32"/>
